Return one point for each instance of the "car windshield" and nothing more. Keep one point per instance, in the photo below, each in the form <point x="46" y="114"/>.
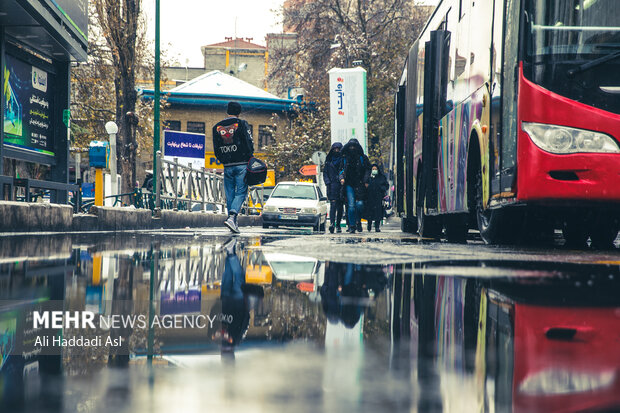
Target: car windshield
<point x="285" y="269"/>
<point x="294" y="192"/>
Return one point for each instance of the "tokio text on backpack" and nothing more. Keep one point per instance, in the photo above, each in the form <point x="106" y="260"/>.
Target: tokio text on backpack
<point x="256" y="172"/>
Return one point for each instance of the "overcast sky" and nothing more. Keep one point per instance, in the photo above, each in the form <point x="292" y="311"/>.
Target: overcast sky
<point x="188" y="24"/>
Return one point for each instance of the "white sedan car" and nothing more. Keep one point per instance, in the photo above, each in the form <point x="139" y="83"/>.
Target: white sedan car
<point x="299" y="204"/>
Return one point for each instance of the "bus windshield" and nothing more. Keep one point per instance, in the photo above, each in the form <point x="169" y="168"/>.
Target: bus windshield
<point x="572" y="49"/>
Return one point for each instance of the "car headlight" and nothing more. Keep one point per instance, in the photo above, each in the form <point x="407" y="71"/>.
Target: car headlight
<point x="562" y="139"/>
<point x="310" y="211"/>
<point x="270" y="208"/>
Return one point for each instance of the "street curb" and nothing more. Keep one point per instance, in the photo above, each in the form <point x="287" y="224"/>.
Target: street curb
<point x="30" y="217"/>
<point x="34" y="216"/>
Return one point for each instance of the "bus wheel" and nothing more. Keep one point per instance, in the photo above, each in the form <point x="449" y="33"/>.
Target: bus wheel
<point x="575" y="233"/>
<point x="489" y="220"/>
<point x="457" y="228"/>
<point x="428" y="226"/>
<point x="603" y="233"/>
<point x="408" y="225"/>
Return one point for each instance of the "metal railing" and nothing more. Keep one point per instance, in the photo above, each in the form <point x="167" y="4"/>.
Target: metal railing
<point x="180" y="187"/>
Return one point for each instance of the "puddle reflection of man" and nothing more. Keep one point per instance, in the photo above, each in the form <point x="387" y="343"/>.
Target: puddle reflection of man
<point x="235" y="296"/>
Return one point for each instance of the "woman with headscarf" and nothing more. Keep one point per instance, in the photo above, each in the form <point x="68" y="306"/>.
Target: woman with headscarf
<point x="333" y="165"/>
<point x="377" y="185"/>
<point x="354" y="177"/>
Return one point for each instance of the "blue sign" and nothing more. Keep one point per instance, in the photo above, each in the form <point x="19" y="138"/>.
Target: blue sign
<point x="184" y="144"/>
<point x="180" y="303"/>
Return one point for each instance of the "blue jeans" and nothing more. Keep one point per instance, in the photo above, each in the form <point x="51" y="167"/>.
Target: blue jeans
<point x="235" y="187"/>
<point x="232" y="279"/>
<point x="354" y="207"/>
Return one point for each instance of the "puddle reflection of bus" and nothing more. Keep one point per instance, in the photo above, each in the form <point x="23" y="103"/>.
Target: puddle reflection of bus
<point x="522" y="344"/>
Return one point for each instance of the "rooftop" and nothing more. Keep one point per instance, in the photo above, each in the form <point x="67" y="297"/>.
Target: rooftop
<point x="219" y="83"/>
<point x="236" y="44"/>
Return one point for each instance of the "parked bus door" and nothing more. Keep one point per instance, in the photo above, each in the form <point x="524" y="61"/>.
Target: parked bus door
<point x="504" y="72"/>
<point x="410" y="136"/>
<point x="435" y="90"/>
<point x="399" y="158"/>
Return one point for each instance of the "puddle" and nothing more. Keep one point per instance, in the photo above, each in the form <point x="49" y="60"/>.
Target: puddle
<point x="240" y="327"/>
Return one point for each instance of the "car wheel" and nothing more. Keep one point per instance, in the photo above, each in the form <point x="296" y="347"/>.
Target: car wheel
<point x="317" y="227"/>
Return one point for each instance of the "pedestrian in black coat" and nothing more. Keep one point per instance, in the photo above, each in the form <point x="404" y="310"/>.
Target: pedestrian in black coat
<point x="333" y="165"/>
<point x="354" y="178"/>
<point x="377" y="186"/>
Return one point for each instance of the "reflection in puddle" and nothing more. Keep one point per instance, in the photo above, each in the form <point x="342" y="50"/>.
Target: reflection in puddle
<point x="260" y="330"/>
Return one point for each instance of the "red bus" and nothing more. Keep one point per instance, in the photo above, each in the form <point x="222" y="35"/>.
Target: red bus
<point x="522" y="343"/>
<point x="508" y="118"/>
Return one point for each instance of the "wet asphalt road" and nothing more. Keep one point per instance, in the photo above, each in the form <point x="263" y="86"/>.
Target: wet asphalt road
<point x="311" y="322"/>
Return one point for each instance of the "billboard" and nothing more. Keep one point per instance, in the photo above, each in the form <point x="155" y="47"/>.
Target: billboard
<point x="187" y="147"/>
<point x="347" y="97"/>
<point x="28" y="107"/>
<point x="76" y="11"/>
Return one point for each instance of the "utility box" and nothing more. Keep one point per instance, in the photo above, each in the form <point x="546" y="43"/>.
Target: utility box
<point x="98" y="154"/>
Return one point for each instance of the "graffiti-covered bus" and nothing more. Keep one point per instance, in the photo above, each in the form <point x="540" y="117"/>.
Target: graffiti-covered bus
<point x="508" y="118"/>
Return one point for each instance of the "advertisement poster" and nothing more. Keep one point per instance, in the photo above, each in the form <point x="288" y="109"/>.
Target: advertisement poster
<point x="28" y="107"/>
<point x="7" y="339"/>
<point x="347" y="96"/>
<point x="187" y="147"/>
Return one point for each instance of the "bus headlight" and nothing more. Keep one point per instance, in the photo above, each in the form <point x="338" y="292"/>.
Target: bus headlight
<point x="270" y="208"/>
<point x="309" y="211"/>
<point x="562" y="139"/>
<point x="561" y="381"/>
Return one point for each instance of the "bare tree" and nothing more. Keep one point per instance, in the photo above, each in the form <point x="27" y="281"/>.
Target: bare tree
<point x="340" y="33"/>
<point x="104" y="87"/>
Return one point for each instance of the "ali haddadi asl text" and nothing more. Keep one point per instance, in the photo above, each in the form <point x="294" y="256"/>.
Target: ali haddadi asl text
<point x="56" y="341"/>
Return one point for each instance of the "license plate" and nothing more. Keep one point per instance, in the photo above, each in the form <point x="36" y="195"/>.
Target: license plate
<point x="294" y="217"/>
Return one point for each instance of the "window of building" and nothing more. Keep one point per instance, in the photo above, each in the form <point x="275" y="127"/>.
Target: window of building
<point x="172" y="125"/>
<point x="196" y="127"/>
<point x="265" y="136"/>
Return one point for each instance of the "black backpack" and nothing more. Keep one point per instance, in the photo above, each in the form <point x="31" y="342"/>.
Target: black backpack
<point x="256" y="172"/>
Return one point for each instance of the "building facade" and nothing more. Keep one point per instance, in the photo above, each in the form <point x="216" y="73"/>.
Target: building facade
<point x="240" y="58"/>
<point x="196" y="106"/>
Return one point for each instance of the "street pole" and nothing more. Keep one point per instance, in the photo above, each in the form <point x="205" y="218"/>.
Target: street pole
<point x="112" y="129"/>
<point x="156" y="133"/>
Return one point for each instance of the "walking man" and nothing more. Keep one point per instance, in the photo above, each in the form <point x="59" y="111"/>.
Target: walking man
<point x="233" y="147"/>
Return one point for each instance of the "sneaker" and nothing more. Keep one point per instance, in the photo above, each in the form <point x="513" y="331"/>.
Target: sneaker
<point x="359" y="227"/>
<point x="230" y="245"/>
<point x="231" y="224"/>
<point x="351" y="230"/>
<point x="331" y="229"/>
<point x="338" y="229"/>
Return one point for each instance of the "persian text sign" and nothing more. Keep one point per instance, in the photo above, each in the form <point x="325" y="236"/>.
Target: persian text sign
<point x="188" y="147"/>
<point x="308" y="170"/>
<point x="347" y="95"/>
